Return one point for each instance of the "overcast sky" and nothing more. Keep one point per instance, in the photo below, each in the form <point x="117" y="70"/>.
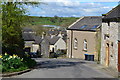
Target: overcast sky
<point x="72" y="8"/>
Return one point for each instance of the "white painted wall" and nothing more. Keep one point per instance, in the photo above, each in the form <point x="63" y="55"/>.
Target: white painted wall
<point x="60" y="44"/>
<point x="35" y="47"/>
<point x="29" y="44"/>
<point x="51" y="47"/>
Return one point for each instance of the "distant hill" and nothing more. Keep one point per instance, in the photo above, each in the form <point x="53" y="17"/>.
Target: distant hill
<point x="58" y="21"/>
<point x="37" y="22"/>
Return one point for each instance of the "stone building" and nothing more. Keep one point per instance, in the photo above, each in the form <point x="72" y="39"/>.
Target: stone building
<point x="32" y="42"/>
<point x="51" y="45"/>
<point x="82" y="37"/>
<point x="110" y="39"/>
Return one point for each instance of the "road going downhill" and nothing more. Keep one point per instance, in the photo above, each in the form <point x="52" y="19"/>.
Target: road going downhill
<point x="64" y="68"/>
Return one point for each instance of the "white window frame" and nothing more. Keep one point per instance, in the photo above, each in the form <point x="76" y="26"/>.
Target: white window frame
<point x="75" y="43"/>
<point x="85" y="44"/>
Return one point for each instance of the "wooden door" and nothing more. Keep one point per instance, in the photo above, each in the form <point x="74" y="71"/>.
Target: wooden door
<point x="107" y="55"/>
<point x="119" y="56"/>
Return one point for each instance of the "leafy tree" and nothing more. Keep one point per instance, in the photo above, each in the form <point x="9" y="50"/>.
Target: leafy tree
<point x="12" y="20"/>
<point x="0" y="29"/>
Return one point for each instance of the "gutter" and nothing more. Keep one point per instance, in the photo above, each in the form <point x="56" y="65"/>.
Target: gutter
<point x="81" y="30"/>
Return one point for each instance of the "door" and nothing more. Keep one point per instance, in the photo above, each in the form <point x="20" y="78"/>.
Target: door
<point x="27" y="49"/>
<point x="119" y="56"/>
<point x="107" y="55"/>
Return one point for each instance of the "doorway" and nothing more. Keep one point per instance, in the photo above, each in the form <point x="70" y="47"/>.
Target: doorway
<point x="107" y="55"/>
<point x="119" y="56"/>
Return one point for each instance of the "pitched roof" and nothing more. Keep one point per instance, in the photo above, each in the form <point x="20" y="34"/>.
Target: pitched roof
<point x="52" y="40"/>
<point x="88" y="23"/>
<point x="38" y="39"/>
<point x="28" y="36"/>
<point x="114" y="13"/>
<point x="53" y="32"/>
<point x="27" y="29"/>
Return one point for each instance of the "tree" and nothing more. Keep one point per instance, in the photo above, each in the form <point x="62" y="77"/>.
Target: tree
<point x="0" y="29"/>
<point x="12" y="19"/>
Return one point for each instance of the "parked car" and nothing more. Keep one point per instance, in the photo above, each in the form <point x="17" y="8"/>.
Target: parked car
<point x="33" y="54"/>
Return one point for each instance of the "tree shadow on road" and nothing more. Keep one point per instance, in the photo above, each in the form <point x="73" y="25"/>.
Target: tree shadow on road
<point x="56" y="64"/>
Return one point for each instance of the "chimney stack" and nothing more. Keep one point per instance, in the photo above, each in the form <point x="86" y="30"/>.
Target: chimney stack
<point x="43" y="35"/>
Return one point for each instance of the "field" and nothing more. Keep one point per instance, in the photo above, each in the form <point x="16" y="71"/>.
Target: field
<point x="58" y="21"/>
<point x="36" y="22"/>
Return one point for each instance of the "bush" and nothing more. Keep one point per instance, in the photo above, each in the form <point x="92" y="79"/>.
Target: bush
<point x="12" y="63"/>
<point x="15" y="63"/>
<point x="53" y="55"/>
<point x="30" y="63"/>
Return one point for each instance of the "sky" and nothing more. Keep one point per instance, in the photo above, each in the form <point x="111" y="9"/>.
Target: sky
<point x="71" y="8"/>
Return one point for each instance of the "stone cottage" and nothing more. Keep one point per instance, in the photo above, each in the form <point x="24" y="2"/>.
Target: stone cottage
<point x="110" y="39"/>
<point x="32" y="42"/>
<point x="28" y="35"/>
<point x="82" y="37"/>
<point x="51" y="44"/>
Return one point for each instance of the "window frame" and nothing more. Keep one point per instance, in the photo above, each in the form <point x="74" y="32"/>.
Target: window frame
<point x="75" y="43"/>
<point x="85" y="46"/>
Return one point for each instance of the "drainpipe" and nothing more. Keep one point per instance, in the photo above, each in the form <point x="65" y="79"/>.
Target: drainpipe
<point x="71" y="41"/>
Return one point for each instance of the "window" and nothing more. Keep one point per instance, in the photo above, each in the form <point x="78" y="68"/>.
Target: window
<point x="106" y="36"/>
<point x="83" y="26"/>
<point x="85" y="44"/>
<point x="95" y="26"/>
<point x="108" y="23"/>
<point x="75" y="43"/>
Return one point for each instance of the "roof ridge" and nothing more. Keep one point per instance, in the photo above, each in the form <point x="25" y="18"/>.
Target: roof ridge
<point x="112" y="10"/>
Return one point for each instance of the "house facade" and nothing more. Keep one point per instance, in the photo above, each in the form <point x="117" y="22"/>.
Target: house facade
<point x="110" y="39"/>
<point x="51" y="45"/>
<point x="82" y="37"/>
<point x="32" y="42"/>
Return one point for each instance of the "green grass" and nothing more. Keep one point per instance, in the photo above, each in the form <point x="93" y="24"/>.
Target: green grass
<point x="58" y="21"/>
<point x="36" y="22"/>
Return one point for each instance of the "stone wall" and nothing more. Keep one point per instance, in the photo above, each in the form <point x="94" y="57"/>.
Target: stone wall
<point x="109" y="35"/>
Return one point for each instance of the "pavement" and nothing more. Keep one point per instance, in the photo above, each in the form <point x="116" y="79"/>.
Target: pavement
<point x="65" y="68"/>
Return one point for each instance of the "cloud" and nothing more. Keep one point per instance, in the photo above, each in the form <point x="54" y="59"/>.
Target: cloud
<point x="79" y="0"/>
<point x="71" y="8"/>
<point x="68" y="0"/>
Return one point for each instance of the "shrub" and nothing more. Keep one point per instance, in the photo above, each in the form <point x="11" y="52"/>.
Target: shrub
<point x="53" y="55"/>
<point x="14" y="63"/>
<point x="30" y="63"/>
<point x="10" y="63"/>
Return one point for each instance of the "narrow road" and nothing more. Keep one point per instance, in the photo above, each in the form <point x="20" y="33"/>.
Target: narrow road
<point x="64" y="68"/>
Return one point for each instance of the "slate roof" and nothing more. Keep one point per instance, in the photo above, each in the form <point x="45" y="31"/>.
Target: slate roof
<point x="114" y="13"/>
<point x="87" y="23"/>
<point x="56" y="32"/>
<point x="53" y="32"/>
<point x="27" y="29"/>
<point x="28" y="36"/>
<point x="38" y="39"/>
<point x="52" y="40"/>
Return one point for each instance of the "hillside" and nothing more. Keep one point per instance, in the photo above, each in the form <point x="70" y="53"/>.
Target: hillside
<point x="58" y="21"/>
<point x="37" y="22"/>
